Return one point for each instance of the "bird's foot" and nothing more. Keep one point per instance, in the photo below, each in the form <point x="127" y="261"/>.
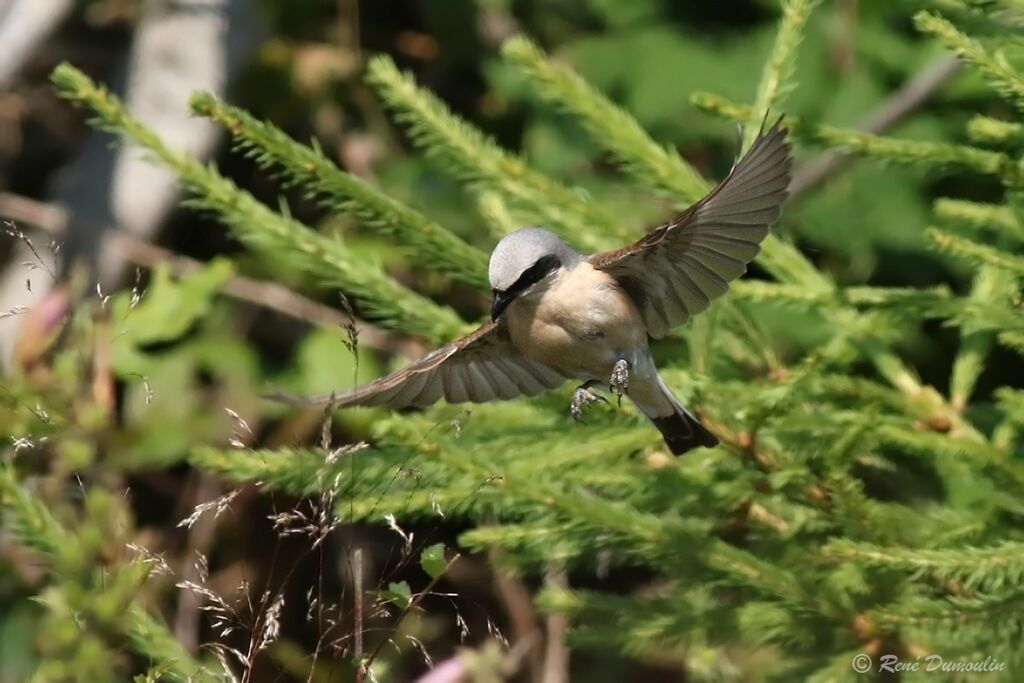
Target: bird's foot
<point x="619" y="381"/>
<point x="581" y="398"/>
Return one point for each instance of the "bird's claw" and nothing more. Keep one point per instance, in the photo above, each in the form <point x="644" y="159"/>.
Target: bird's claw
<point x="619" y="381"/>
<point x="581" y="398"/>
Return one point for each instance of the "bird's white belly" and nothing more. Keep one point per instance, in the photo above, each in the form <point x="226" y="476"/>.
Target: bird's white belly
<point x="582" y="324"/>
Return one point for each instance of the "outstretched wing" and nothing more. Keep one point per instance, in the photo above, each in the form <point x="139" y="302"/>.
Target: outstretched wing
<point x="480" y="367"/>
<point x="677" y="269"/>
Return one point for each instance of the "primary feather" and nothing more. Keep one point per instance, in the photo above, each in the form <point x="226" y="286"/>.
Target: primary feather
<point x="677" y="269"/>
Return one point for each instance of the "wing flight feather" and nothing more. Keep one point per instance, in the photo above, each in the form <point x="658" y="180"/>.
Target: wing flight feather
<point x="482" y="366"/>
<point x="676" y="270"/>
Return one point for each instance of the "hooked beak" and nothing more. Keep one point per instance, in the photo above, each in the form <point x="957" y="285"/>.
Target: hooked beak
<point x="501" y="302"/>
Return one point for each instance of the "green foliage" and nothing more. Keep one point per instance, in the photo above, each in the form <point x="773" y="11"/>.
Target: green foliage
<point x="89" y="602"/>
<point x="308" y="169"/>
<point x="933" y="155"/>
<point x="993" y="67"/>
<point x="472" y="158"/>
<point x="432" y="560"/>
<point x="867" y="494"/>
<point x="779" y="71"/>
<point x="167" y="312"/>
<point x="618" y="132"/>
<point x="276" y="235"/>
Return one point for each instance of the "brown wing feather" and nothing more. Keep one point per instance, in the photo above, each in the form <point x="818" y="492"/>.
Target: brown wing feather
<point x="676" y="270"/>
<point x="482" y="366"/>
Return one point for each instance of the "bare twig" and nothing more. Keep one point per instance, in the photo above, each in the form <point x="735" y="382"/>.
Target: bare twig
<point x="898" y="106"/>
<point x="556" y="654"/>
<point x="357" y="577"/>
<point x="200" y="538"/>
<point x="521" y="614"/>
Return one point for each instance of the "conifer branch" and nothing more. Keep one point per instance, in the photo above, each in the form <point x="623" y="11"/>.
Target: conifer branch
<point x="896" y="372"/>
<point x="29" y="518"/>
<point x="992" y="568"/>
<point x="1012" y="340"/>
<point x="967" y="367"/>
<point x="495" y="212"/>
<point x="930" y="155"/>
<point x="984" y="612"/>
<point x="475" y="159"/>
<point x="640" y="627"/>
<point x="987" y="130"/>
<point x="609" y="125"/>
<point x="783" y="260"/>
<point x="642" y="528"/>
<point x="307" y="168"/>
<point x="294" y="471"/>
<point x="956" y="449"/>
<point x="909" y="301"/>
<point x="304" y="472"/>
<point x="269" y="233"/>
<point x="975" y="252"/>
<point x="271" y="295"/>
<point x="994" y="67"/>
<point x="526" y="539"/>
<point x="645" y="532"/>
<point x="931" y="301"/>
<point x="1012" y="403"/>
<point x="777" y="78"/>
<point x="34" y="525"/>
<point x="980" y="216"/>
<point x="749" y="570"/>
<point x="152" y="639"/>
<point x="991" y="286"/>
<point x="796" y="295"/>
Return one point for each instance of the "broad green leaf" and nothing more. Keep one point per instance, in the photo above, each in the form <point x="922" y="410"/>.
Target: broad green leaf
<point x="399" y="593"/>
<point x="432" y="560"/>
<point x="167" y="309"/>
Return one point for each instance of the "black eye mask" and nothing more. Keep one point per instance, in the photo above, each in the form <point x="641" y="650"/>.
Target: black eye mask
<point x="531" y="276"/>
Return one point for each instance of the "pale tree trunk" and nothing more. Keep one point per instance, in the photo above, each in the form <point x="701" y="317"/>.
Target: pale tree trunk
<point x="179" y="47"/>
<point x="24" y="25"/>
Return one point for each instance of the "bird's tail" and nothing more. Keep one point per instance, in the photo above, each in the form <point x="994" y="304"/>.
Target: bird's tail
<point x="680" y="428"/>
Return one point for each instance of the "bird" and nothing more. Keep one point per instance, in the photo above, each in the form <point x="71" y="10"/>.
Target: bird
<point x="559" y="315"/>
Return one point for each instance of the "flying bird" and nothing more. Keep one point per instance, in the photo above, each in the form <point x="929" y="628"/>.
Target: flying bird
<point x="559" y="315"/>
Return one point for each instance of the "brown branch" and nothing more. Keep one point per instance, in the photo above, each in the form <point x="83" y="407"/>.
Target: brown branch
<point x="897" y="107"/>
<point x="357" y="587"/>
<point x="54" y="221"/>
<point x="521" y="614"/>
<point x="200" y="539"/>
<point x="556" y="654"/>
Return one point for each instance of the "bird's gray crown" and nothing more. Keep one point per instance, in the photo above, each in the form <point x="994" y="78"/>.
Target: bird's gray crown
<point x="520" y="250"/>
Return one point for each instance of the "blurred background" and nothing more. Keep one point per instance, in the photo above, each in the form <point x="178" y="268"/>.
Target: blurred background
<point x="299" y="64"/>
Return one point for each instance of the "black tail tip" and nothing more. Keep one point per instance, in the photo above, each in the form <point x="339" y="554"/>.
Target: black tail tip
<point x="683" y="432"/>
